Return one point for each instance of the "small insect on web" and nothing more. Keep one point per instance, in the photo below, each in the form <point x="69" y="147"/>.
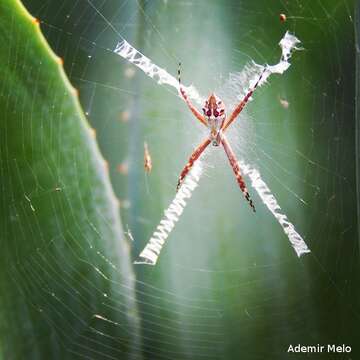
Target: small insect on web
<point x="213" y="116"/>
<point x="147" y="159"/>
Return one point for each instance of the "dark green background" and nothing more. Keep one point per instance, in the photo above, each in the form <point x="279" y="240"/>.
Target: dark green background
<point x="228" y="284"/>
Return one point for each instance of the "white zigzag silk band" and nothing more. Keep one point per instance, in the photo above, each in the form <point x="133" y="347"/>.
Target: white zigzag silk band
<point x="288" y="44"/>
<point x="269" y="200"/>
<point x="251" y="72"/>
<point x="161" y="76"/>
<point x="238" y="84"/>
<point x="152" y="250"/>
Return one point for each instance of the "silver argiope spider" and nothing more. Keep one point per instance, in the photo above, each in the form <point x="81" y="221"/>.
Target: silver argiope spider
<point x="214" y="117"/>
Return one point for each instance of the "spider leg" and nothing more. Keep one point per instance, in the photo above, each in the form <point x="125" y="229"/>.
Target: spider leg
<point x="192" y="108"/>
<point x="194" y="156"/>
<point x="237" y="171"/>
<point x="242" y="104"/>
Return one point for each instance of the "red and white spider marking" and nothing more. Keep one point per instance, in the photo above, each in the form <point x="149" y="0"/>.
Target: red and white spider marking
<point x="213" y="116"/>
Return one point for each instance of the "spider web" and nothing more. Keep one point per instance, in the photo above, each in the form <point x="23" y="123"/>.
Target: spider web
<point x="252" y="76"/>
<point x="227" y="284"/>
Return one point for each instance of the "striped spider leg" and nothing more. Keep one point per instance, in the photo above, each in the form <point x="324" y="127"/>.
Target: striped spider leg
<point x="237" y="171"/>
<point x="215" y="119"/>
<point x="192" y="108"/>
<point x="194" y="156"/>
<point x="239" y="108"/>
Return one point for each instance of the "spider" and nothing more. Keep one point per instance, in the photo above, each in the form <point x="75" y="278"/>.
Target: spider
<point x="214" y="118"/>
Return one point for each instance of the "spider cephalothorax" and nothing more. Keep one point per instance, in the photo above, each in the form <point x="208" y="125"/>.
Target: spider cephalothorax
<point x="214" y="113"/>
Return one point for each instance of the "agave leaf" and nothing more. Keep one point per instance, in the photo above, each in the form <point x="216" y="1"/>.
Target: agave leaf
<point x="65" y="264"/>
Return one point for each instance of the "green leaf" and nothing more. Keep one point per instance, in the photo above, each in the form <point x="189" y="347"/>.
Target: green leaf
<point x="65" y="264"/>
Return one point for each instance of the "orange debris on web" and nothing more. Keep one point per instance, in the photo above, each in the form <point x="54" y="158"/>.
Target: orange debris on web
<point x="282" y="17"/>
<point x="147" y="159"/>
